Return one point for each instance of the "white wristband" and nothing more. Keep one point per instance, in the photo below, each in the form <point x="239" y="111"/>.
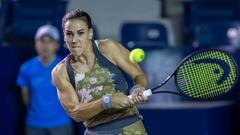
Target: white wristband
<point x="107" y="101"/>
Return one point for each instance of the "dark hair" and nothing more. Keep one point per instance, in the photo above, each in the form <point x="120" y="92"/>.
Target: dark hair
<point x="77" y="13"/>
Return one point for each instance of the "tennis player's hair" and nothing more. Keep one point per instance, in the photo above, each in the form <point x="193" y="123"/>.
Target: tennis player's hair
<point x="77" y="13"/>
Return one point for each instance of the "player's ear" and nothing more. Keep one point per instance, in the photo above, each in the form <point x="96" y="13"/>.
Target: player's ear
<point x="90" y="33"/>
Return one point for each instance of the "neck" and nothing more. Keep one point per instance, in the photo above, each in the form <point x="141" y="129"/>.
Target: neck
<point x="47" y="60"/>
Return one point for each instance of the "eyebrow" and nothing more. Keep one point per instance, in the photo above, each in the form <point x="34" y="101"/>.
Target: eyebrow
<point x="80" y="30"/>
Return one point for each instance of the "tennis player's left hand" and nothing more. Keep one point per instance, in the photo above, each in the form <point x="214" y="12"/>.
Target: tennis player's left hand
<point x="137" y="94"/>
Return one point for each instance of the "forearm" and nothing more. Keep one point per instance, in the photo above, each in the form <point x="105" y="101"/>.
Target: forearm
<point x="138" y="89"/>
<point x="25" y="96"/>
<point x="85" y="111"/>
<point x="141" y="80"/>
<point x="25" y="100"/>
<point x="69" y="99"/>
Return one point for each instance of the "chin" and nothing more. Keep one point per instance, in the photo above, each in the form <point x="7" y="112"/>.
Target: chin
<point x="44" y="55"/>
<point x="74" y="53"/>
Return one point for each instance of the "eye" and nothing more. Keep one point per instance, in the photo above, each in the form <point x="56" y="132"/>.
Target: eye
<point x="69" y="34"/>
<point x="80" y="33"/>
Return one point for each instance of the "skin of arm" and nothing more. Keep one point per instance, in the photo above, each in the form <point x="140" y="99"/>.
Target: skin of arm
<point x="84" y="111"/>
<point x="120" y="57"/>
<point x="70" y="102"/>
<point x="25" y="95"/>
<point x="68" y="97"/>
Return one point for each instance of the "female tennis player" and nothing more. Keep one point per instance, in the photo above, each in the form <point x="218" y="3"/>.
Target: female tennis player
<point x="90" y="83"/>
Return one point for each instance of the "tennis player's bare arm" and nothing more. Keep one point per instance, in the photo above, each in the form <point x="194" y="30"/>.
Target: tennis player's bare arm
<point x="119" y="56"/>
<point x="69" y="99"/>
<point x="70" y="102"/>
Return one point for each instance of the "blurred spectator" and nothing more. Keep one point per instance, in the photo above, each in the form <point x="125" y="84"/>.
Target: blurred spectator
<point x="45" y="115"/>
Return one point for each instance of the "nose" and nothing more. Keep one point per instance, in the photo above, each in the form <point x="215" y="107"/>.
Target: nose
<point x="75" y="39"/>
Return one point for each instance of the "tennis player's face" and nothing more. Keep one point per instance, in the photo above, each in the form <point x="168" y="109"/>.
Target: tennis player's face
<point x="46" y="46"/>
<point x="77" y="36"/>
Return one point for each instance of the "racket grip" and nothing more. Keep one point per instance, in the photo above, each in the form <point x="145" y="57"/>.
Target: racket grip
<point x="146" y="93"/>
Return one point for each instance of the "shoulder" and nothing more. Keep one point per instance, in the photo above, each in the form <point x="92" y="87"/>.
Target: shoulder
<point x="29" y="64"/>
<point x="59" y="75"/>
<point x="59" y="71"/>
<point x="113" y="50"/>
<point x="108" y="43"/>
<point x="109" y="46"/>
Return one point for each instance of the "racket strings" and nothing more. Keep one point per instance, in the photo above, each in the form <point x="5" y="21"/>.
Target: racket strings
<point x="206" y="74"/>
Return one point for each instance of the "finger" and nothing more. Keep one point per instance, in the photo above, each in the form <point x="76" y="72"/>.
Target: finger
<point x="135" y="99"/>
<point x="128" y="102"/>
<point x="140" y="93"/>
<point x="122" y="106"/>
<point x="138" y="99"/>
<point x="142" y="99"/>
<point x="131" y="102"/>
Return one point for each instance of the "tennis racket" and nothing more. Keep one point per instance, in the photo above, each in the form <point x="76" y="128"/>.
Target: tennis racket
<point x="203" y="75"/>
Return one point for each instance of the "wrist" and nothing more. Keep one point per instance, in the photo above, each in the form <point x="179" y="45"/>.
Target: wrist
<point x="107" y="101"/>
<point x="134" y="87"/>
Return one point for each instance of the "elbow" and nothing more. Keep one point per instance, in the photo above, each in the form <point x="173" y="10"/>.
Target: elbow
<point x="77" y="115"/>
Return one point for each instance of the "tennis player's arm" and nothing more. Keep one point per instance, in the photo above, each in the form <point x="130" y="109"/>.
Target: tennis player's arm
<point x="120" y="57"/>
<point x="25" y="95"/>
<point x="69" y="100"/>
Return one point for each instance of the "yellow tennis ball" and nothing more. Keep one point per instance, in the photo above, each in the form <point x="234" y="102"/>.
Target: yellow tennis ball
<point x="137" y="55"/>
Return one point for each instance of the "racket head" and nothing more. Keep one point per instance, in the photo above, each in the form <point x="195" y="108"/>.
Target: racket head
<point x="206" y="74"/>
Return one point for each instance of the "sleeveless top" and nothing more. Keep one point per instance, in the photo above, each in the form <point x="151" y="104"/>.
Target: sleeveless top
<point x="104" y="78"/>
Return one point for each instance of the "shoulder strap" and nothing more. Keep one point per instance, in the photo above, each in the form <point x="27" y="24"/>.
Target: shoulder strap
<point x="118" y="78"/>
<point x="70" y="71"/>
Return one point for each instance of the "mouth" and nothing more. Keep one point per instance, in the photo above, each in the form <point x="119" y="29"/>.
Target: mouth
<point x="76" y="47"/>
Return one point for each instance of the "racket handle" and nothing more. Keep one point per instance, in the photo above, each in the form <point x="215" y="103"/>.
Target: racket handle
<point x="146" y="93"/>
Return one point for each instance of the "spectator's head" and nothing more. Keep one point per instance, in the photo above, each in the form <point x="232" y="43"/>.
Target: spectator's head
<point x="47" y="40"/>
<point x="77" y="30"/>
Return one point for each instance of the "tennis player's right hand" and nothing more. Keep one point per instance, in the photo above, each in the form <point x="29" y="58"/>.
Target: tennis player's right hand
<point x="120" y="101"/>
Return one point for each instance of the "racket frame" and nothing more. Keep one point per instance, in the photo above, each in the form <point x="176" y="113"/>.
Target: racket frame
<point x="180" y="64"/>
<point x="204" y="50"/>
